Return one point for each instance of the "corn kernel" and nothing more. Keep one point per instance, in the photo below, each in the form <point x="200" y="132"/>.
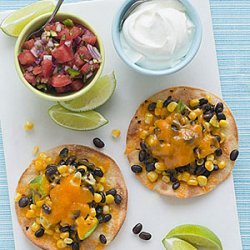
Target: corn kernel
<point x="35" y="227"/>
<point x="185" y="176"/>
<point x="63" y="169"/>
<point x="57" y="230"/>
<point x="149" y="118"/>
<point x="143" y="134"/>
<point x="202" y="180"/>
<point x="158" y="171"/>
<point x="223" y="123"/>
<point x="165" y="179"/>
<point x="28" y="125"/>
<point x="42" y="156"/>
<point x="49" y="232"/>
<point x="158" y="111"/>
<point x="106" y="209"/>
<point x="172" y="106"/>
<point x="110" y="199"/>
<point x="179" y="176"/>
<point x="159" y="104"/>
<point x="222" y="164"/>
<point x="49" y="160"/>
<point x="214" y="122"/>
<point x="192" y="115"/>
<point x="97" y="198"/>
<point x="207" y="126"/>
<point x="82" y="167"/>
<point x="18" y="197"/>
<point x="39" y="165"/>
<point x="210" y="157"/>
<point x="36" y="150"/>
<point x="199" y="162"/>
<point x="68" y="241"/>
<point x="116" y="133"/>
<point x="215" y="162"/>
<point x="56" y="236"/>
<point x="194" y="102"/>
<point x="60" y="244"/>
<point x="30" y="214"/>
<point x="209" y="98"/>
<point x="38" y="221"/>
<point x="102" y="180"/>
<point x="184" y="120"/>
<point x="64" y="235"/>
<point x="198" y="112"/>
<point x="192" y="182"/>
<point x="160" y="166"/>
<point x="99" y="187"/>
<point x="164" y="174"/>
<point x="76" y="180"/>
<point x="92" y="212"/>
<point x="209" y="165"/>
<point x="33" y="206"/>
<point x="151" y="140"/>
<point x="152" y="176"/>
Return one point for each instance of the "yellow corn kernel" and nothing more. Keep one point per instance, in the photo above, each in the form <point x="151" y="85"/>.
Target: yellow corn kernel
<point x="164" y="173"/>
<point x="192" y="182"/>
<point x="185" y="176"/>
<point x="209" y="98"/>
<point x="38" y="221"/>
<point x="184" y="120"/>
<point x="82" y="167"/>
<point x="39" y="165"/>
<point x="68" y="241"/>
<point x="49" y="232"/>
<point x="64" y="235"/>
<point x="106" y="209"/>
<point x="199" y="162"/>
<point x="222" y="137"/>
<point x="99" y="187"/>
<point x="160" y="166"/>
<point x="158" y="171"/>
<point x="194" y="102"/>
<point x="36" y="150"/>
<point x="179" y="176"/>
<point x="192" y="115"/>
<point x="30" y="214"/>
<point x="151" y="140"/>
<point x="56" y="236"/>
<point x="215" y="162"/>
<point x="223" y="123"/>
<point x="148" y="118"/>
<point x="222" y="164"/>
<point x="172" y="106"/>
<point x="214" y="122"/>
<point x="28" y="125"/>
<point x="63" y="169"/>
<point x="152" y="176"/>
<point x="76" y="180"/>
<point x="165" y="179"/>
<point x="207" y="126"/>
<point x="18" y="197"/>
<point x="35" y="227"/>
<point x="110" y="199"/>
<point x="158" y="111"/>
<point x="60" y="244"/>
<point x="57" y="230"/>
<point x="209" y="165"/>
<point x="210" y="157"/>
<point x="33" y="206"/>
<point x="143" y="134"/>
<point x="202" y="180"/>
<point x="97" y="198"/>
<point x="92" y="212"/>
<point x="116" y="133"/>
<point x="49" y="160"/>
<point x="42" y="156"/>
<point x="198" y="112"/>
<point x="159" y="104"/>
<point x="102" y="180"/>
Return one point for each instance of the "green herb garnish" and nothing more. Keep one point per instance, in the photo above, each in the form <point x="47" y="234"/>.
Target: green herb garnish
<point x="73" y="73"/>
<point x="68" y="22"/>
<point x="53" y="33"/>
<point x="180" y="107"/>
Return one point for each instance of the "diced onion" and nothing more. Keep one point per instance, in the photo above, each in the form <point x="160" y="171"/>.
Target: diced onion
<point x="75" y="67"/>
<point x="66" y="67"/>
<point x="34" y="52"/>
<point x="30" y="68"/>
<point x="38" y="43"/>
<point x="58" y="27"/>
<point x="68" y="43"/>
<point x="47" y="57"/>
<point x="94" y="52"/>
<point x="50" y="43"/>
<point x="89" y="75"/>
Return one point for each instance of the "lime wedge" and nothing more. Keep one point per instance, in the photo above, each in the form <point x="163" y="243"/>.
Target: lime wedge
<point x="88" y="120"/>
<point x="95" y="97"/>
<point x="198" y="236"/>
<point x="16" y="21"/>
<point x="177" y="244"/>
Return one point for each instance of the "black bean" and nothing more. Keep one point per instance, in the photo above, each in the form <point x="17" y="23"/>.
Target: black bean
<point x="76" y="214"/>
<point x="64" y="229"/>
<point x="176" y="185"/>
<point x="150" y="167"/>
<point x="70" y="160"/>
<point x="98" y="143"/>
<point x="75" y="246"/>
<point x="167" y="101"/>
<point x="206" y="173"/>
<point x="142" y="155"/>
<point x="62" y="162"/>
<point x="103" y="197"/>
<point x="83" y="161"/>
<point x="31" y="201"/>
<point x="98" y="172"/>
<point x="207" y="107"/>
<point x="221" y="116"/>
<point x="112" y="192"/>
<point x="145" y="236"/>
<point x="143" y="145"/>
<point x="64" y="153"/>
<point x="218" y="152"/>
<point x="137" y="228"/>
<point x="219" y="107"/>
<point x="91" y="189"/>
<point x="75" y="164"/>
<point x="173" y="178"/>
<point x="118" y="199"/>
<point x="216" y="168"/>
<point x="199" y="170"/>
<point x="100" y="218"/>
<point x="152" y="106"/>
<point x="107" y="217"/>
<point x="207" y="117"/>
<point x="203" y="101"/>
<point x="136" y="169"/>
<point x="218" y="138"/>
<point x="92" y="204"/>
<point x="39" y="233"/>
<point x="50" y="171"/>
<point x="81" y="170"/>
<point x="102" y="239"/>
<point x="23" y="202"/>
<point x="99" y="210"/>
<point x="182" y="169"/>
<point x="46" y="209"/>
<point x="234" y="155"/>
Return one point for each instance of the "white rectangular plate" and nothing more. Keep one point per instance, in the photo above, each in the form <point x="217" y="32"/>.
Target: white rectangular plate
<point x="216" y="210"/>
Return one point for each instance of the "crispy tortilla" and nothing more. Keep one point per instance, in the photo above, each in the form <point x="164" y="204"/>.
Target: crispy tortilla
<point x="113" y="177"/>
<point x="184" y="191"/>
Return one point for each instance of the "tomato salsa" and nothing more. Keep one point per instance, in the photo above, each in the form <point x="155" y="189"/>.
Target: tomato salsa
<point x="62" y="59"/>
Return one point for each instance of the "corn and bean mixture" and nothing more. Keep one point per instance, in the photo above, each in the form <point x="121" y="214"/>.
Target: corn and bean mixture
<point x="180" y="143"/>
<point x="68" y="199"/>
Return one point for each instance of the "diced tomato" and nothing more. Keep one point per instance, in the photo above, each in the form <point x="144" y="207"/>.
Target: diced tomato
<point x="64" y="89"/>
<point x="89" y="37"/>
<point x="29" y="44"/>
<point x="85" y="68"/>
<point x="60" y="80"/>
<point x="63" y="54"/>
<point x="82" y="53"/>
<point x="26" y="57"/>
<point x="29" y="77"/>
<point x="76" y="85"/>
<point x="95" y="66"/>
<point x="47" y="68"/>
<point x="37" y="70"/>
<point x="75" y="32"/>
<point x="64" y="34"/>
<point x="50" y="27"/>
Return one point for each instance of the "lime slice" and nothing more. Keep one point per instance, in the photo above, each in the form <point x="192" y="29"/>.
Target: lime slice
<point x="88" y="120"/>
<point x="177" y="244"/>
<point x="95" y="97"/>
<point x="199" y="236"/>
<point x="16" y="21"/>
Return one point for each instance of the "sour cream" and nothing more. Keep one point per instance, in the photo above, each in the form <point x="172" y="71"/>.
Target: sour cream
<point x="157" y="34"/>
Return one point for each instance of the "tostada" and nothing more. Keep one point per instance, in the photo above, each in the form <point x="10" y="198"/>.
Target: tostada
<point x="182" y="142"/>
<point x="71" y="197"/>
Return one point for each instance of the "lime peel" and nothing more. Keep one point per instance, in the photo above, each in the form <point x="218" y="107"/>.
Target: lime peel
<point x="177" y="244"/>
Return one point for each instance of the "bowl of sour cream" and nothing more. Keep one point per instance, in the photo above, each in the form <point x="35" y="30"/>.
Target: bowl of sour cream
<point x="158" y="37"/>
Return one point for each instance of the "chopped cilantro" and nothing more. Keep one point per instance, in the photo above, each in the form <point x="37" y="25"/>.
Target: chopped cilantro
<point x="68" y="22"/>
